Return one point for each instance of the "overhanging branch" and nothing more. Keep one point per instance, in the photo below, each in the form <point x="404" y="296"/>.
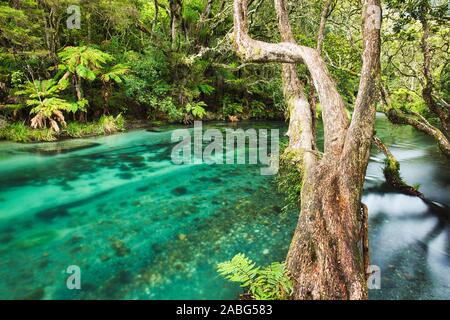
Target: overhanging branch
<point x="333" y="114"/>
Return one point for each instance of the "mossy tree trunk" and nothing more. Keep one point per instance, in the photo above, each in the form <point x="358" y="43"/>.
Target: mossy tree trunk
<point x="391" y="171"/>
<point x="327" y="258"/>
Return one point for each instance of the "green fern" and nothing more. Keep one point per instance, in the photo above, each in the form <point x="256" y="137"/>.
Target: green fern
<point x="83" y="61"/>
<point x="47" y="107"/>
<point x="196" y="109"/>
<point x="239" y="269"/>
<point x="116" y="73"/>
<point x="206" y="88"/>
<point x="268" y="283"/>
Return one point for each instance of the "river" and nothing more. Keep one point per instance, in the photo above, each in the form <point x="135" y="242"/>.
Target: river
<point x="140" y="227"/>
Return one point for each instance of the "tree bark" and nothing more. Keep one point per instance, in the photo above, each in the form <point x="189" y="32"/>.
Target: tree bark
<point x="175" y="7"/>
<point x="326" y="258"/>
<point x="427" y="91"/>
<point x="301" y="130"/>
<point x="323" y="21"/>
<point x="398" y="117"/>
<point x="326" y="11"/>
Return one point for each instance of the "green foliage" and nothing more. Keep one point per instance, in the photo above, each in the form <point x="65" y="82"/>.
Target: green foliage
<point x="206" y="88"/>
<point x="105" y="125"/>
<point x="232" y="108"/>
<point x="124" y="60"/>
<point x="147" y="83"/>
<point x="79" y="130"/>
<point x="16" y="27"/>
<point x="267" y="283"/>
<point x="85" y="62"/>
<point x="19" y="132"/>
<point x="196" y="109"/>
<point x="122" y="56"/>
<point x="258" y="110"/>
<point x="110" y="124"/>
<point x="38" y="89"/>
<point x="116" y="73"/>
<point x="405" y="99"/>
<point x="45" y="104"/>
<point x="289" y="178"/>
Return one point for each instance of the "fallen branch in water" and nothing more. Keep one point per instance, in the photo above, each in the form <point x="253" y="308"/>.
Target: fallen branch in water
<point x="392" y="172"/>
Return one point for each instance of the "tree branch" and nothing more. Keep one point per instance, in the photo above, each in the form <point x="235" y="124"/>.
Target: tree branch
<point x="334" y="115"/>
<point x="301" y="131"/>
<point x="323" y="20"/>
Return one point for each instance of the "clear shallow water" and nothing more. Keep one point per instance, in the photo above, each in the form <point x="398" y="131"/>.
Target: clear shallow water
<point x="141" y="227"/>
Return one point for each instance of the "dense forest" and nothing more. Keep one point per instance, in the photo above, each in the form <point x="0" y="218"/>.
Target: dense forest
<point x="79" y="68"/>
<point x="173" y="61"/>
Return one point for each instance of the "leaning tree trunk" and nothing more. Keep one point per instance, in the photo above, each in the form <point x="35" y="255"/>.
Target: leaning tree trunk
<point x="326" y="258"/>
<point x="301" y="123"/>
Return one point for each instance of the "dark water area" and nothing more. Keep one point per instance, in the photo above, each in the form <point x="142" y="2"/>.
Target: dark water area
<point x="141" y="227"/>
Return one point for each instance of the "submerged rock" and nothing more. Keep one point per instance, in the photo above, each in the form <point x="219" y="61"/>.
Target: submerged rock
<point x="50" y="214"/>
<point x="179" y="191"/>
<point x="37" y="294"/>
<point x="154" y="129"/>
<point x="53" y="148"/>
<point x="6" y="238"/>
<point x="125" y="176"/>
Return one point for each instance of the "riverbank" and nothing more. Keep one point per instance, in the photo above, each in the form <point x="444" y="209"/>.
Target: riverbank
<point x="106" y="125"/>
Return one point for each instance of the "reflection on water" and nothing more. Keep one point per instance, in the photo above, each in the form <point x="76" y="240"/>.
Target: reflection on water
<point x="409" y="239"/>
<point x="142" y="228"/>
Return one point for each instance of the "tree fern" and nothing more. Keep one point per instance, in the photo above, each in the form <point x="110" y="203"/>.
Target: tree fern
<point x="47" y="107"/>
<point x="116" y="73"/>
<point x="84" y="61"/>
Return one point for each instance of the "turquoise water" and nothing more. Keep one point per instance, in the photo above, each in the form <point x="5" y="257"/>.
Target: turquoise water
<point x="140" y="227"/>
